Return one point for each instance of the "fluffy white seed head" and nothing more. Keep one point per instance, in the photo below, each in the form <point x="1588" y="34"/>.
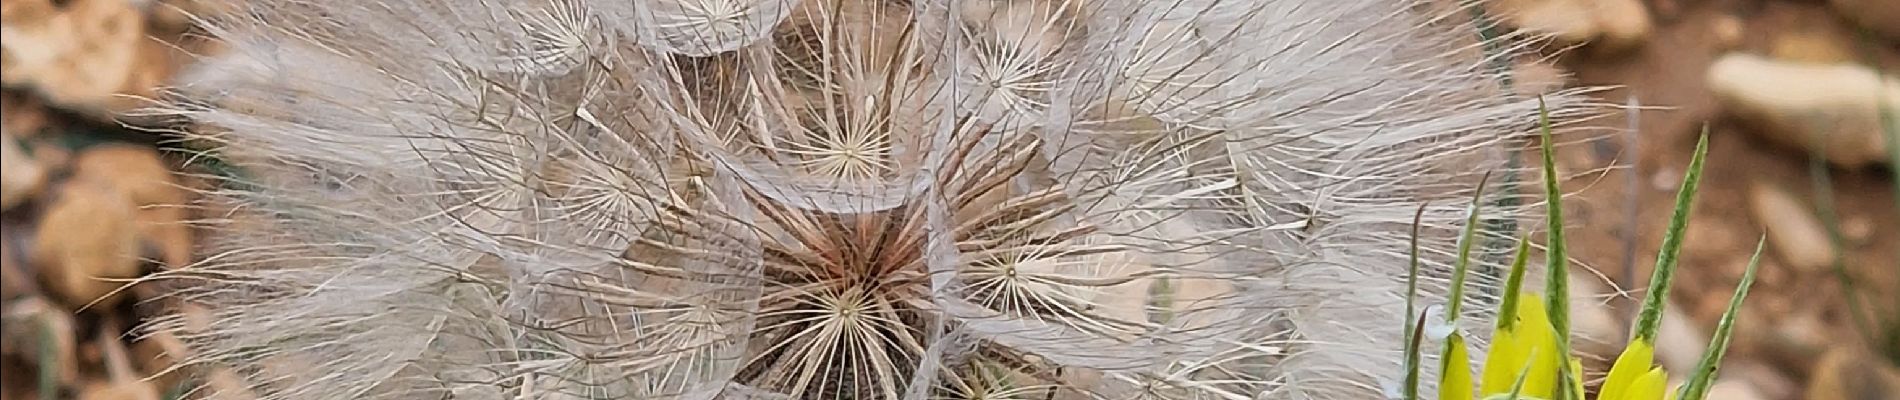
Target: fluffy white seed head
<point x="833" y="199"/>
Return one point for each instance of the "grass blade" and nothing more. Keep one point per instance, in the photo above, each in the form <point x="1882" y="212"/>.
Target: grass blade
<point x="1506" y="340"/>
<point x="1414" y="324"/>
<point x="1557" y="262"/>
<point x="1465" y="239"/>
<point x="1650" y="319"/>
<point x="1697" y="387"/>
<point x="1890" y="123"/>
<point x="1454" y="361"/>
<point x="1513" y="285"/>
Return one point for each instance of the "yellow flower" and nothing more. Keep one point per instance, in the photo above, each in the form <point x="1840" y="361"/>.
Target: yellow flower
<point x="1632" y="377"/>
<point x="1632" y="365"/>
<point x="1650" y="386"/>
<point x="1456" y="383"/>
<point x="1531" y="336"/>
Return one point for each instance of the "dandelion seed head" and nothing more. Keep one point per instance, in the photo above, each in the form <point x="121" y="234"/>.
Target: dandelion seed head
<point x="862" y="199"/>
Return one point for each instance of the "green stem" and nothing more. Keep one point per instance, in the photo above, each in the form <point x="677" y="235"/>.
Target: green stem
<point x="1823" y="182"/>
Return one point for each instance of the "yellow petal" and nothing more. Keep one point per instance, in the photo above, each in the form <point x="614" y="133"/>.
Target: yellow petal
<point x="1542" y="381"/>
<point x="1455" y="383"/>
<point x="1502" y="363"/>
<point x="1635" y="361"/>
<point x="1511" y="349"/>
<point x="1649" y="386"/>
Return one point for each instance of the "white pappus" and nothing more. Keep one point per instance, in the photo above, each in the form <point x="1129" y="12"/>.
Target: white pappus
<point x="832" y="199"/>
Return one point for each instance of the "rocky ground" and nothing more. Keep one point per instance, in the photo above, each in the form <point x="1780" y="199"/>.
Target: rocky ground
<point x="1764" y="77"/>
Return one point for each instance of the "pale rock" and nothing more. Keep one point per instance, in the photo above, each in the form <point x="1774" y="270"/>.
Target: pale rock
<point x="1666" y="179"/>
<point x="1537" y="78"/>
<point x="1794" y="103"/>
<point x="1612" y="24"/>
<point x="1730" y="389"/>
<point x="1767" y="380"/>
<point x="80" y="54"/>
<point x="1853" y="374"/>
<point x="1566" y="20"/>
<point x="20" y="176"/>
<point x="1858" y="229"/>
<point x="1596" y="326"/>
<point x="86" y="244"/>
<point x="1625" y="23"/>
<point x="146" y="179"/>
<point x="1814" y="43"/>
<point x="1728" y="31"/>
<point x="119" y="390"/>
<point x="1797" y="237"/>
<point x="1680" y="341"/>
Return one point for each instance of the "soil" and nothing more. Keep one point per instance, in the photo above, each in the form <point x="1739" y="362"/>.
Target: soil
<point x="1637" y="196"/>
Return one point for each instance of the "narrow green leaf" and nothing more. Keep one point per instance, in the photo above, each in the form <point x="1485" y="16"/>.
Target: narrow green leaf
<point x="1514" y="285"/>
<point x="1414" y="324"/>
<point x="1650" y="319"/>
<point x="1454" y="311"/>
<point x="1697" y="388"/>
<point x="1461" y="267"/>
<point x="1413" y="355"/>
<point x="1890" y="122"/>
<point x="1821" y="178"/>
<point x="1557" y="262"/>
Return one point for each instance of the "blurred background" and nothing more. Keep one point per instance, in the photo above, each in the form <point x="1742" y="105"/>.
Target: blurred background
<point x="1789" y="90"/>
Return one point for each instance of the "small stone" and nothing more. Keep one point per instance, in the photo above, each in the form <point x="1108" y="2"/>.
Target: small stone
<point x="1858" y="229"/>
<point x="1728" y="31"/>
<point x="1608" y="24"/>
<point x="1666" y="179"/>
<point x="1766" y="380"/>
<point x="1797" y="238"/>
<point x="132" y="389"/>
<point x="146" y="179"/>
<point x="1797" y="339"/>
<point x="1852" y="374"/>
<point x="1680" y="341"/>
<point x="1712" y="235"/>
<point x="1816" y="45"/>
<point x="20" y="176"/>
<point x="1730" y="389"/>
<point x="1796" y="103"/>
<point x="137" y="170"/>
<point x="86" y="245"/>
<point x="1598" y="330"/>
<point x="1536" y="78"/>
<point x="1625" y="24"/>
<point x="1569" y="21"/>
<point x="79" y="54"/>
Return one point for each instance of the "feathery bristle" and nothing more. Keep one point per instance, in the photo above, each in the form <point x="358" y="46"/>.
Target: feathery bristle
<point x="832" y="199"/>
